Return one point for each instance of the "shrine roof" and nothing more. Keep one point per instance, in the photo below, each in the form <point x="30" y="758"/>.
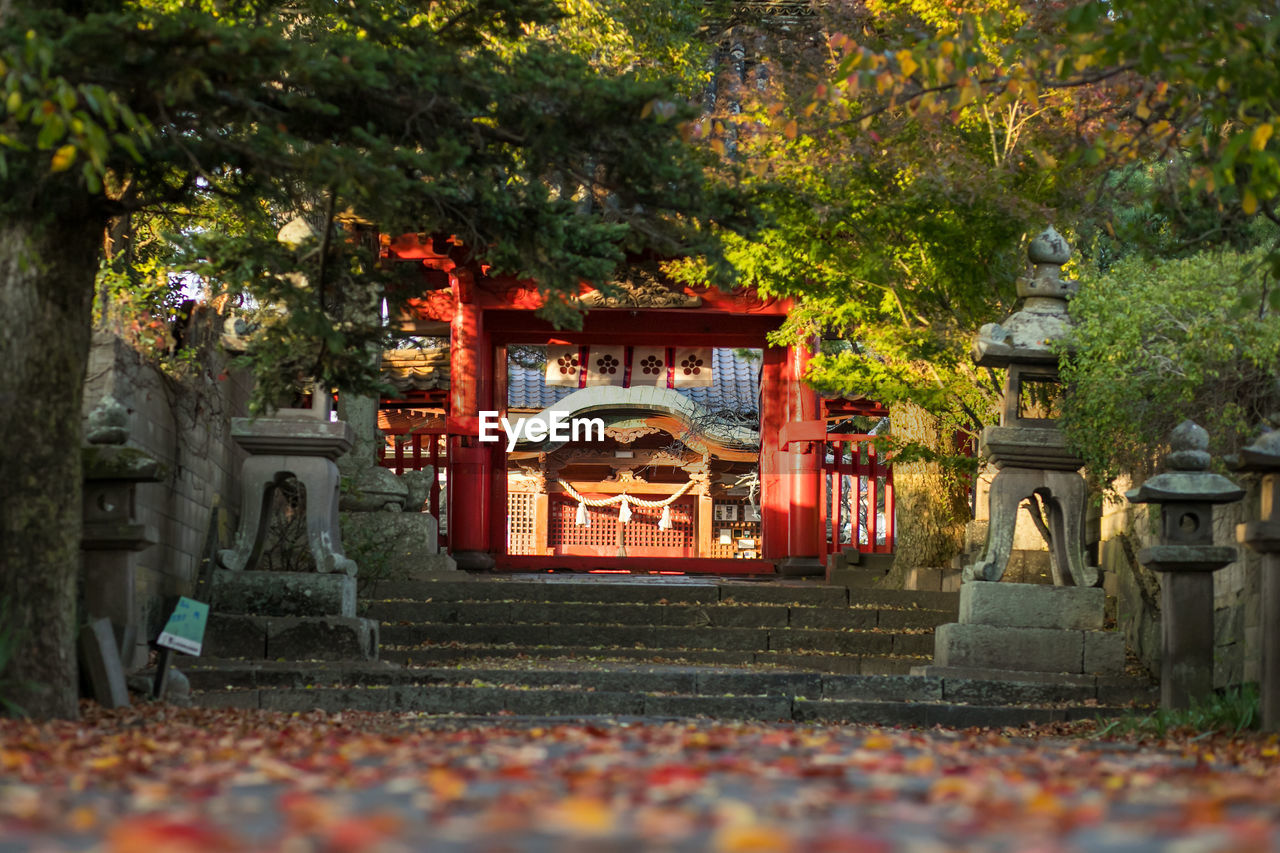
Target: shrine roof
<point x="416" y="369"/>
<point x="736" y="385"/>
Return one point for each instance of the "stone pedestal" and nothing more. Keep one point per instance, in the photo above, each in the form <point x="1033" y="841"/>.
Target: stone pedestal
<point x="289" y="615"/>
<point x="284" y="593"/>
<point x="1011" y="630"/>
<point x="292" y="444"/>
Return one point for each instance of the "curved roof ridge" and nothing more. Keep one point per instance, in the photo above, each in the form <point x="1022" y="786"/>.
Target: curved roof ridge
<point x="649" y="399"/>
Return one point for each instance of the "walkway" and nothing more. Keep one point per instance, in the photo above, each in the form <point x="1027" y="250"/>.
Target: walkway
<point x="164" y="779"/>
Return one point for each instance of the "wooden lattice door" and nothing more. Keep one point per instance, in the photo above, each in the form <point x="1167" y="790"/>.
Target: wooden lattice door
<point x="605" y="537"/>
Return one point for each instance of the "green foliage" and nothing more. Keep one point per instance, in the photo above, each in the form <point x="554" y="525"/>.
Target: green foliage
<point x="486" y="120"/>
<point x="899" y="236"/>
<point x="1157" y="341"/>
<point x="1234" y="710"/>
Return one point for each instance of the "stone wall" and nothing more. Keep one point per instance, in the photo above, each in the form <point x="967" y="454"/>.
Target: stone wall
<point x="1126" y="529"/>
<point x="186" y="426"/>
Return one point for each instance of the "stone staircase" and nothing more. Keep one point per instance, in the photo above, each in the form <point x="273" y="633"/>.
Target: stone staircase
<point x="654" y="646"/>
<point x="658" y="619"/>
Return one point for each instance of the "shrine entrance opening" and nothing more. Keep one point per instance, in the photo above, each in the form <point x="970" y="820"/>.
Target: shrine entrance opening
<point x="693" y="473"/>
<point x="672" y="472"/>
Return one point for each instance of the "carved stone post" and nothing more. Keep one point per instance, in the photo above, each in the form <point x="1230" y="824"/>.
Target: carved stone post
<point x="1186" y="558"/>
<point x="1263" y="536"/>
<point x="301" y="443"/>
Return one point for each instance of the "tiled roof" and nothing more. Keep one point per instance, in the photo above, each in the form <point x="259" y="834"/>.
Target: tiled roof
<point x="736" y="385"/>
<point x="737" y="380"/>
<point x="416" y="369"/>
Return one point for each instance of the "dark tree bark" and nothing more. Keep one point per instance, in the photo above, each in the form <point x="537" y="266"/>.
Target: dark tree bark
<point x="47" y="268"/>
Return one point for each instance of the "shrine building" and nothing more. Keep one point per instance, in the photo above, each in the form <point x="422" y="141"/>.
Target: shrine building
<point x="702" y="450"/>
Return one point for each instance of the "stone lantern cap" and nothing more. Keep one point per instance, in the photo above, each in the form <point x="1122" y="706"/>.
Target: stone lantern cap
<point x="1189" y="481"/>
<point x="1263" y="456"/>
<point x="1029" y="334"/>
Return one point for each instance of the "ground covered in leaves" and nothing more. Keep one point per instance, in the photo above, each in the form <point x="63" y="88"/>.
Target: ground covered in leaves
<point x="160" y="779"/>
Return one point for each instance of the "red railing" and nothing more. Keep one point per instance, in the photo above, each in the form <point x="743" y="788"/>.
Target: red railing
<point x="413" y="452"/>
<point x="857" y="495"/>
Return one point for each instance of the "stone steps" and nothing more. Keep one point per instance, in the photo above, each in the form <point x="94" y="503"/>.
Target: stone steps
<point x="804" y="624"/>
<point x="644" y="590"/>
<point x="574" y="690"/>
<point x="859" y="642"/>
<point x="477" y="655"/>
<point x="390" y="613"/>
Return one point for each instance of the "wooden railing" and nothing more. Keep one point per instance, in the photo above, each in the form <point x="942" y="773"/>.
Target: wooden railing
<point x="857" y="495"/>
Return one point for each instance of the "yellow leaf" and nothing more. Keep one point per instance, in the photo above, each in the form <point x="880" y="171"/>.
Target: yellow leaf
<point x="1143" y="111"/>
<point x="582" y="816"/>
<point x="63" y="158"/>
<point x="646" y="109"/>
<point x="742" y="839"/>
<point x="13" y="102"/>
<point x="877" y="742"/>
<point x="791" y="129"/>
<point x="107" y="761"/>
<point x="1261" y="134"/>
<point x="907" y="63"/>
<point x="82" y="819"/>
<point x="1249" y="203"/>
<point x="717" y="145"/>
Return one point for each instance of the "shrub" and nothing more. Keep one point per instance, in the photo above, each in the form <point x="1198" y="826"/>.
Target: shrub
<point x="1157" y="341"/>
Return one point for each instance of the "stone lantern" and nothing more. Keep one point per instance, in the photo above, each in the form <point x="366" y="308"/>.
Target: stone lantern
<point x="1027" y="447"/>
<point x="1186" y="559"/>
<point x="1263" y="536"/>
<point x="1017" y="631"/>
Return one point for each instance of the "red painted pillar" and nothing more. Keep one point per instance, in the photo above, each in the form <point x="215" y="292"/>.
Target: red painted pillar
<point x="803" y="471"/>
<point x="775" y="495"/>
<point x="470" y="462"/>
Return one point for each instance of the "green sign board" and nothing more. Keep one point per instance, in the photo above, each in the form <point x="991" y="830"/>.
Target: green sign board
<point x="184" y="632"/>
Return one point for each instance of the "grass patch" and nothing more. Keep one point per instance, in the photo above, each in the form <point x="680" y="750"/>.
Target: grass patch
<point x="1233" y="710"/>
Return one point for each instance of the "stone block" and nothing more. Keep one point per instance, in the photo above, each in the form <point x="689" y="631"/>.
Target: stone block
<point x="1104" y="653"/>
<point x="284" y="593"/>
<point x="882" y="688"/>
<point x="101" y="661"/>
<point x="951" y="674"/>
<point x="392" y="543"/>
<point x="231" y="635"/>
<point x="980" y="692"/>
<point x="322" y="638"/>
<point x="1001" y="647"/>
<point x="429" y="565"/>
<point x="1019" y="605"/>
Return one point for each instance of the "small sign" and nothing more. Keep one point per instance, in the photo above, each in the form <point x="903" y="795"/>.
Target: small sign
<point x="746" y="544"/>
<point x="726" y="536"/>
<point x="184" y="632"/>
<point x="726" y="512"/>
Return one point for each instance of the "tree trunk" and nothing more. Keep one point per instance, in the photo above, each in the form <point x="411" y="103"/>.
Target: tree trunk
<point x="47" y="268"/>
<point x="931" y="510"/>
